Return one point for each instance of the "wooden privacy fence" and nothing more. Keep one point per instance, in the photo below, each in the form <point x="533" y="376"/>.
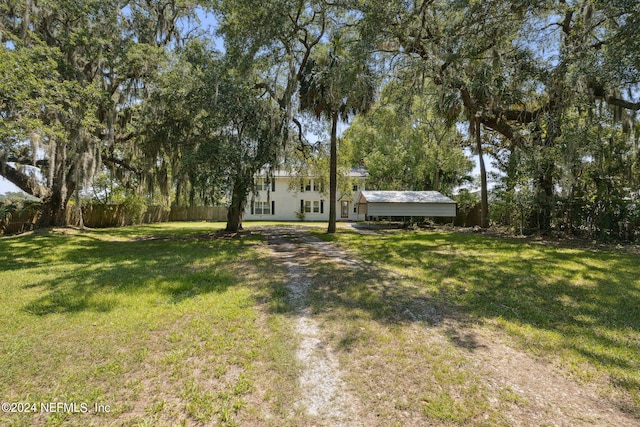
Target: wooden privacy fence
<point x="198" y="213"/>
<point x="100" y="216"/>
<point x="21" y="222"/>
<point x="97" y="216"/>
<point x="470" y="218"/>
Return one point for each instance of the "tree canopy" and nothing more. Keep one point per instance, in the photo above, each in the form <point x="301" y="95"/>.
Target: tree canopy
<point x="406" y="144"/>
<point x="547" y="90"/>
<point x="75" y="73"/>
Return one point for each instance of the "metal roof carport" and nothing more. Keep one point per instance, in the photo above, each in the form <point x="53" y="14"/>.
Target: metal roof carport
<point x="405" y="204"/>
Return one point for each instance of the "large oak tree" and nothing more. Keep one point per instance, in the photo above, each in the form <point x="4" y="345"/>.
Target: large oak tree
<point x="74" y="73"/>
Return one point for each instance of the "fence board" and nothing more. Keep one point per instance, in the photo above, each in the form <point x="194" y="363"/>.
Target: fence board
<point x="101" y="216"/>
<point x="97" y="216"/>
<point x="198" y="213"/>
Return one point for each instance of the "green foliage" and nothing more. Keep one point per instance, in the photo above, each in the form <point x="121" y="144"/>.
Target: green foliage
<point x="406" y="145"/>
<point x="596" y="180"/>
<point x="465" y="200"/>
<point x="80" y="70"/>
<point x="214" y="127"/>
<point x="94" y="87"/>
<point x="538" y="91"/>
<point x="7" y="209"/>
<point x="27" y="81"/>
<point x="335" y="85"/>
<point x="21" y="210"/>
<point x="513" y="208"/>
<point x="16" y="196"/>
<point x="134" y="207"/>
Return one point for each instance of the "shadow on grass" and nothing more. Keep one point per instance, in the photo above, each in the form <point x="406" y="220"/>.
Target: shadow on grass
<point x="90" y="273"/>
<point x="583" y="302"/>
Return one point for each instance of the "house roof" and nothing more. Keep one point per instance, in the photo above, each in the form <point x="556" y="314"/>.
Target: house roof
<point x="354" y="172"/>
<point x="404" y="197"/>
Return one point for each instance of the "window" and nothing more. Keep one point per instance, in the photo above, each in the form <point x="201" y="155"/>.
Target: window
<point x="355" y="187"/>
<point x="262" y="208"/>
<point x="316" y="186"/>
<point x="313" y="206"/>
<point x="264" y="184"/>
<point x="307" y="187"/>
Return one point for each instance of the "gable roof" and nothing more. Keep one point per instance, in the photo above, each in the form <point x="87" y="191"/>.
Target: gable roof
<point x="403" y="197"/>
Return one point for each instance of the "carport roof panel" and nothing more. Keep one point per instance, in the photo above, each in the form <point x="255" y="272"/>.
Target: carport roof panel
<point x="405" y="197"/>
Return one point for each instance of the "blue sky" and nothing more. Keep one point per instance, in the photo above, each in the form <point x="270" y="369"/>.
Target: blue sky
<point x="6" y="186"/>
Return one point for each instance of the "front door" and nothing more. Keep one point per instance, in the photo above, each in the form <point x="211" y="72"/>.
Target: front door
<point x="344" y="209"/>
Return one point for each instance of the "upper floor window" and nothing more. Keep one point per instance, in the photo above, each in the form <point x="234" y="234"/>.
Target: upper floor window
<point x="264" y="184"/>
<point x="260" y="184"/>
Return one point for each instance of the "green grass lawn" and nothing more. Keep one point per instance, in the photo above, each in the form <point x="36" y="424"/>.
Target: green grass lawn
<point x="576" y="308"/>
<point x="160" y="324"/>
<point x="166" y="325"/>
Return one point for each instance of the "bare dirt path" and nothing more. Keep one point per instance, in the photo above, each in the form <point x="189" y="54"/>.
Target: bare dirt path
<point x="544" y="395"/>
<point x="324" y="393"/>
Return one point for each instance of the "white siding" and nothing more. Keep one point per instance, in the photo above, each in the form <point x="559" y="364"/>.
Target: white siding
<point x="412" y="209"/>
<point x="286" y="203"/>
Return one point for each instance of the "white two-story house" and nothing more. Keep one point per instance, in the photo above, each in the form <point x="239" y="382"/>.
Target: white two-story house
<point x="284" y="197"/>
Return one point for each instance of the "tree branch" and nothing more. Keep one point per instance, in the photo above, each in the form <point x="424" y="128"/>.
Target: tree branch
<point x="618" y="102"/>
<point x="301" y="137"/>
<point x="28" y="161"/>
<point x="502" y="128"/>
<point x="118" y="162"/>
<point x="26" y="183"/>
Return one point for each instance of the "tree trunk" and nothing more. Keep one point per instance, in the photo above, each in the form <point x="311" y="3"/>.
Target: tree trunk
<point x="79" y="210"/>
<point x="484" y="198"/>
<point x="178" y="190"/>
<point x="236" y="209"/>
<point x="544" y="182"/>
<point x="543" y="197"/>
<point x="333" y="173"/>
<point x="54" y="207"/>
<point x="192" y="190"/>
